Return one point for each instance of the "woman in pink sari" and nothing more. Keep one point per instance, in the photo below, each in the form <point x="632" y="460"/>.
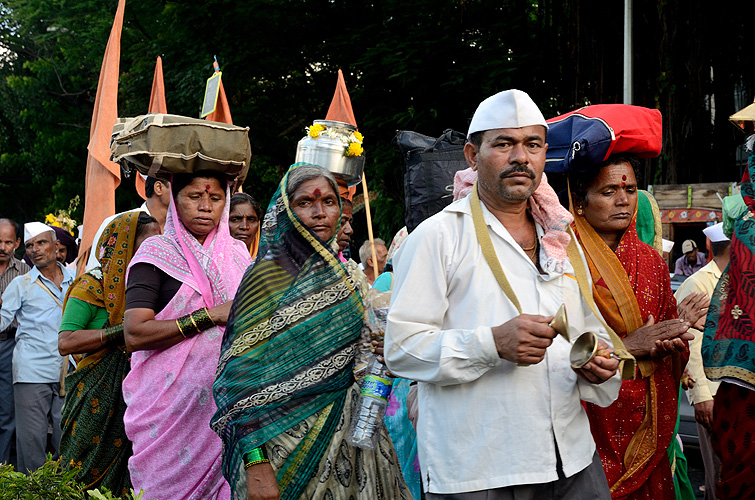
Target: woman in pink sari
<point x="180" y="288"/>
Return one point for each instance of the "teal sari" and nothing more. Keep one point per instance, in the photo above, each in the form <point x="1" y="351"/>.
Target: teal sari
<point x="284" y="378"/>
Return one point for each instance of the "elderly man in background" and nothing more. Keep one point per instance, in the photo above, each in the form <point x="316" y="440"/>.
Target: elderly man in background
<point x="500" y="412"/>
<point x="35" y="300"/>
<point x="692" y="261"/>
<point x="365" y="257"/>
<point x="10" y="268"/>
<point x="701" y="394"/>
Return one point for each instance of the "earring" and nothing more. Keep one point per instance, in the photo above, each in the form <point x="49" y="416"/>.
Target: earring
<point x="579" y="211"/>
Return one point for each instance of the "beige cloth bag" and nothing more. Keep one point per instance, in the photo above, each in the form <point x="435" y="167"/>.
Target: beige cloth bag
<point x="160" y="144"/>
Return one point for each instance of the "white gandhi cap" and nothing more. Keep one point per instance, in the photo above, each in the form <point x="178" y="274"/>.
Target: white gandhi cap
<point x="507" y="109"/>
<point x="715" y="232"/>
<point x="33" y="229"/>
<point x="668" y="245"/>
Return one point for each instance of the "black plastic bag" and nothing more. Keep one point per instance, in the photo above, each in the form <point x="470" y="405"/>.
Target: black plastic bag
<point x="430" y="164"/>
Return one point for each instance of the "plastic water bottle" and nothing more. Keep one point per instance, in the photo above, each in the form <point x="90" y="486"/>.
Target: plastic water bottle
<point x="367" y="417"/>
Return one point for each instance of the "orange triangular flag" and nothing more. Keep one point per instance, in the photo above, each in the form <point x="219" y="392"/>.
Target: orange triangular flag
<point x="102" y="175"/>
<point x="222" y="112"/>
<point x="156" y="105"/>
<point x="340" y="110"/>
<point x="340" y="107"/>
<point x="157" y="97"/>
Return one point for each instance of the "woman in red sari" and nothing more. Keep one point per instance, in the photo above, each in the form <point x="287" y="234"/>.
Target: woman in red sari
<point x="632" y="290"/>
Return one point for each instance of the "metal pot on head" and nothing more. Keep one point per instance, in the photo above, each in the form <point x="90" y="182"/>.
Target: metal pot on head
<point x="329" y="150"/>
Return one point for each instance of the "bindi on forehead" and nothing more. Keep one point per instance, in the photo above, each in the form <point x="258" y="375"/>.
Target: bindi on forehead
<point x="317" y="193"/>
<point x="207" y="188"/>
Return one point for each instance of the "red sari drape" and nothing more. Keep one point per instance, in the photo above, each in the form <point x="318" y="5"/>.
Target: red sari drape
<point x="634" y="433"/>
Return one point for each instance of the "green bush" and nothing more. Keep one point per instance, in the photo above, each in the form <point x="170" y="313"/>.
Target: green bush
<point x="52" y="481"/>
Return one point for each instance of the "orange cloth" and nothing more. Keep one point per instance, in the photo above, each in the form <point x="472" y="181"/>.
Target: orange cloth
<point x="222" y="111"/>
<point x="346" y="192"/>
<point x="102" y="175"/>
<point x="340" y="110"/>
<point x="156" y="105"/>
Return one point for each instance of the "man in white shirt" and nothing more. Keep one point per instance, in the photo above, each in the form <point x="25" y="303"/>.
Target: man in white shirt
<point x="703" y="391"/>
<point x="500" y="412"/>
<point x="158" y="200"/>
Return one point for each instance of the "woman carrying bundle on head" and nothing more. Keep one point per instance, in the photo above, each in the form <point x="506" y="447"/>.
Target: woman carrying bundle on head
<point x="179" y="292"/>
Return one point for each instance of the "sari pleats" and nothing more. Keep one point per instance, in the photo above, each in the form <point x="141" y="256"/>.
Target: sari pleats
<point x="93" y="437"/>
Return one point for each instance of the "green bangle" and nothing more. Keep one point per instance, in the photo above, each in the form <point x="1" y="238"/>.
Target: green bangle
<point x="256" y="456"/>
<point x="202" y="319"/>
<point x="113" y="333"/>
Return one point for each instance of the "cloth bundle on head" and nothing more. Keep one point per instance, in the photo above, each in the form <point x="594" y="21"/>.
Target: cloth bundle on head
<point x="715" y="233"/>
<point x="508" y="109"/>
<point x="581" y="139"/>
<point x="34" y="229"/>
<point x="545" y="209"/>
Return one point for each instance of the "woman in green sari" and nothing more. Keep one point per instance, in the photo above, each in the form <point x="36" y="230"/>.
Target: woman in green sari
<point x="284" y="386"/>
<point x="94" y="439"/>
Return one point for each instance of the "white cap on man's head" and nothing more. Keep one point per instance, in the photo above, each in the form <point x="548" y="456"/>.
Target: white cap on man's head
<point x="507" y="109"/>
<point x="33" y="229"/>
<point x="715" y="233"/>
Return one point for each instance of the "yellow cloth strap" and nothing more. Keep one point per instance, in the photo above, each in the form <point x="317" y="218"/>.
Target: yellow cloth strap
<point x="64" y="370"/>
<point x="627" y="363"/>
<point x="483" y="236"/>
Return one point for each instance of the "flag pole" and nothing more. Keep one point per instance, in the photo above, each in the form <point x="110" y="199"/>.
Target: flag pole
<point x="369" y="225"/>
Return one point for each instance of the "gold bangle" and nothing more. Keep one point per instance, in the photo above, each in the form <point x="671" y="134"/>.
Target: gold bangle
<point x="186" y="326"/>
<point x="102" y="337"/>
<point x="180" y="330"/>
<point x="256" y="462"/>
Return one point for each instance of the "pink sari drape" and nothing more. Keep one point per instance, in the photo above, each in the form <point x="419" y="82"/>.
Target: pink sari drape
<point x="169" y="392"/>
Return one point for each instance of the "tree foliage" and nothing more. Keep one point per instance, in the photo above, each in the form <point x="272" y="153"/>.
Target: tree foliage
<point x="421" y="65"/>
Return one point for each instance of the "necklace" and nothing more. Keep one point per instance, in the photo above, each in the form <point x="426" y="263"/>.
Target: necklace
<point x="531" y="252"/>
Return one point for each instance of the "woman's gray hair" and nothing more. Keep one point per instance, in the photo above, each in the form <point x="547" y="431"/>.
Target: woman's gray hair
<point x="304" y="173"/>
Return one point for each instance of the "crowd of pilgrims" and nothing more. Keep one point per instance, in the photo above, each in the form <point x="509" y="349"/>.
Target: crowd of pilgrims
<point x="210" y="344"/>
